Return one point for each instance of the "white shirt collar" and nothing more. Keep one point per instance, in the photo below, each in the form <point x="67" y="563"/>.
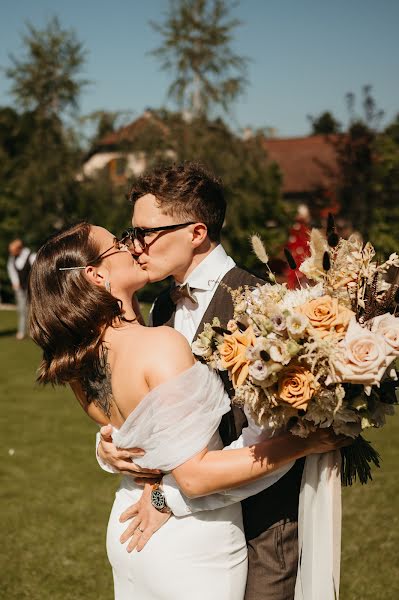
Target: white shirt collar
<point x="207" y="274"/>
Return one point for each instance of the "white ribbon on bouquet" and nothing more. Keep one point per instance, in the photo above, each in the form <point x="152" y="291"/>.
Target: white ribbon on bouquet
<point x="319" y="528"/>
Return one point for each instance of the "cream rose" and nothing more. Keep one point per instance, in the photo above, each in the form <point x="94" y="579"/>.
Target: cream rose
<point x="202" y="348"/>
<point x="387" y="326"/>
<point x="297" y="386"/>
<point x="279" y="352"/>
<point x="326" y="315"/>
<point x="365" y="357"/>
<point x="233" y="354"/>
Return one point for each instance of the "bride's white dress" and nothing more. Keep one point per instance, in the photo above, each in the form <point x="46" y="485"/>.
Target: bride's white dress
<point x="202" y="556"/>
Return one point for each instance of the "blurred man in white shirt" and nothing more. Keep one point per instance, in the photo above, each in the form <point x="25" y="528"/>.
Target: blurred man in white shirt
<point x="19" y="264"/>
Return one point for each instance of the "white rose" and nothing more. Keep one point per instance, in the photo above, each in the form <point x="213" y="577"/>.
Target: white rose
<point x="296" y="324"/>
<point x="388" y="326"/>
<point x="200" y="349"/>
<point x="278" y="352"/>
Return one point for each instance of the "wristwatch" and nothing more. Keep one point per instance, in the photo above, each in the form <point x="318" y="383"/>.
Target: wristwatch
<point x="158" y="499"/>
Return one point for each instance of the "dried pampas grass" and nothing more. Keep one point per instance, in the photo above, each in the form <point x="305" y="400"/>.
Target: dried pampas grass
<point x="259" y="249"/>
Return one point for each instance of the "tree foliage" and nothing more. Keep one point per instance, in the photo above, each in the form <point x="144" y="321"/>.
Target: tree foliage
<point x="196" y="48"/>
<point x="46" y="80"/>
<point x="40" y="153"/>
<point x="46" y="83"/>
<point x="369" y="173"/>
<point x="324" y="124"/>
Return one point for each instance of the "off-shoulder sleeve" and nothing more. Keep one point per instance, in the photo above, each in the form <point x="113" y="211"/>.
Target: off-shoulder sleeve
<point x="176" y="420"/>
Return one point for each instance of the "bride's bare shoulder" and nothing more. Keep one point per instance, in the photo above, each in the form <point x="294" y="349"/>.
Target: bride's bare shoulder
<point x="165" y="339"/>
<point x="158" y="353"/>
<point x="163" y="342"/>
<point x="165" y="334"/>
<point x="169" y="354"/>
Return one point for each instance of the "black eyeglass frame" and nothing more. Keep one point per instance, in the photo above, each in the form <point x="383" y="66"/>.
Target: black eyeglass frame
<point x="134" y="233"/>
<point x="115" y="246"/>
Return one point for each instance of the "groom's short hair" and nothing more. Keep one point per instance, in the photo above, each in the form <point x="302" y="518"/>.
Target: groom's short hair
<point x="185" y="191"/>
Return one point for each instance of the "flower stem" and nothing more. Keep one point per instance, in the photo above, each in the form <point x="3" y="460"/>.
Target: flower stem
<point x="357" y="460"/>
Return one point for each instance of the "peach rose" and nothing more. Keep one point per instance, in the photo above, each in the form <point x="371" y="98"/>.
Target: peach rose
<point x="326" y="315"/>
<point x="233" y="353"/>
<point x="297" y="386"/>
<point x="387" y="326"/>
<point x="365" y="356"/>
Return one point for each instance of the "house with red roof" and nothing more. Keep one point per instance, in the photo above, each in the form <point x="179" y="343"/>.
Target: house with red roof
<point x="308" y="164"/>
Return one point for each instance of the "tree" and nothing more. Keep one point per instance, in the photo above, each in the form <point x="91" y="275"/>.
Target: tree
<point x="46" y="79"/>
<point x="392" y="130"/>
<point x="368" y="160"/>
<point x="384" y="227"/>
<point x="355" y="161"/>
<point x="324" y="124"/>
<point x="45" y="82"/>
<point x="372" y="115"/>
<point x="15" y="134"/>
<point x="196" y="46"/>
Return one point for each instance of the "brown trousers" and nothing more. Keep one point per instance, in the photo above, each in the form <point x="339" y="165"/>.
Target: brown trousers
<point x="273" y="563"/>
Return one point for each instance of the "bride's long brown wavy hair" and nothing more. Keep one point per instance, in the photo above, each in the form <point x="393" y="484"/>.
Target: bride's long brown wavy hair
<point x="68" y="314"/>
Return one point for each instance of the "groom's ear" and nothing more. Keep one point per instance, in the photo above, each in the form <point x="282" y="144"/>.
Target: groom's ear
<point x="200" y="233"/>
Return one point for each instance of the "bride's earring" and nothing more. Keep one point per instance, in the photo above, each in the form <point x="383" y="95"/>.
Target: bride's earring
<point x="108" y="286"/>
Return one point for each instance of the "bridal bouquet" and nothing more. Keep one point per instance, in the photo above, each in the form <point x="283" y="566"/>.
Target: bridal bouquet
<point x="324" y="355"/>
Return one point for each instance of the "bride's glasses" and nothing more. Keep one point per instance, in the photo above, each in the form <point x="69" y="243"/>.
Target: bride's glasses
<point x="117" y="245"/>
<point x="144" y="235"/>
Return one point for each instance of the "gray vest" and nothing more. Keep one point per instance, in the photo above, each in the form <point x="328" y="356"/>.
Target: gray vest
<point x="279" y="502"/>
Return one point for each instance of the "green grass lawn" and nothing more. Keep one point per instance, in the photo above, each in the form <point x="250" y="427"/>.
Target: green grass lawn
<point x="55" y="501"/>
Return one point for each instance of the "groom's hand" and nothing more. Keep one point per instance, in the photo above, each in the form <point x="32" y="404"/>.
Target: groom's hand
<point x="145" y="521"/>
<point x="122" y="459"/>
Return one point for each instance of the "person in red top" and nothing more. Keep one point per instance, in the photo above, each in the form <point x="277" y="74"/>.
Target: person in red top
<point x="298" y="244"/>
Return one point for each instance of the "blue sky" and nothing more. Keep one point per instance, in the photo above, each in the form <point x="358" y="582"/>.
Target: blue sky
<point x="305" y="55"/>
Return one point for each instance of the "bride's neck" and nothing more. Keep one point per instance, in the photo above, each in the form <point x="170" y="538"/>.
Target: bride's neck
<point x="129" y="307"/>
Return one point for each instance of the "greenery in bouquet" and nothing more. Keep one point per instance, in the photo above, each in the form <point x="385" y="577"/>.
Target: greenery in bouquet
<point x="323" y="355"/>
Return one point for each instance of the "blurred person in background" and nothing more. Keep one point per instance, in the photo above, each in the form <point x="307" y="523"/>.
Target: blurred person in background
<point x="19" y="264"/>
<point x="298" y="245"/>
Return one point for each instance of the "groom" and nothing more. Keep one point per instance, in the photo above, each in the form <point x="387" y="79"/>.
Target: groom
<point x="178" y="213"/>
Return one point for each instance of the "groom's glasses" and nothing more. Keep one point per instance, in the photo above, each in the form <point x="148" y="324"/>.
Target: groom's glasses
<point x="143" y="235"/>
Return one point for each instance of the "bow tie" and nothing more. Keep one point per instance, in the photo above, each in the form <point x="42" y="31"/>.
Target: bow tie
<point x="182" y="291"/>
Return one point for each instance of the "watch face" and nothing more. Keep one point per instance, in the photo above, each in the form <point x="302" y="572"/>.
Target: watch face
<point x="158" y="499"/>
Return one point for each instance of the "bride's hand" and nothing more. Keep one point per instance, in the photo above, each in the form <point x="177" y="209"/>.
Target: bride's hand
<point x="146" y="520"/>
<point x="122" y="459"/>
<point x="325" y="440"/>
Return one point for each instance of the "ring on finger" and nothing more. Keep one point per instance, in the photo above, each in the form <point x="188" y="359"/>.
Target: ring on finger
<point x="141" y="530"/>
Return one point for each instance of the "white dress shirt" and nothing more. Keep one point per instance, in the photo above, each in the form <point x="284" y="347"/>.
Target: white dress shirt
<point x="19" y="263"/>
<point x="204" y="280"/>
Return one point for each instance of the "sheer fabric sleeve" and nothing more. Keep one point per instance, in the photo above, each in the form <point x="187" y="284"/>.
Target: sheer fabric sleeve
<point x="176" y="420"/>
<point x="182" y="506"/>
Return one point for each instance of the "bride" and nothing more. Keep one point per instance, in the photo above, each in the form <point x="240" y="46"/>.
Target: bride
<point x="146" y="384"/>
